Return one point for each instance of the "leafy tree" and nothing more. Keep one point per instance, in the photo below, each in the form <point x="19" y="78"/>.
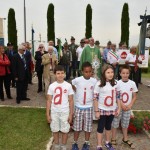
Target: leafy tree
<point x="88" y="33"/>
<point x="50" y="23"/>
<point x="12" y="31"/>
<point x="125" y="25"/>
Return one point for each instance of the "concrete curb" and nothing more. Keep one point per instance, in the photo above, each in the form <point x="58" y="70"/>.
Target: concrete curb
<point x="50" y="144"/>
<point x="146" y="132"/>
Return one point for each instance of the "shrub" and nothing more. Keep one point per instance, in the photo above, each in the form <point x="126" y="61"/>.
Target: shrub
<point x="136" y="125"/>
<point x="146" y="123"/>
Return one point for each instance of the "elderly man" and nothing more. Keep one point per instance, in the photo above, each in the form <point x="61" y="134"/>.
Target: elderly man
<point x="51" y="43"/>
<point x="21" y="72"/>
<point x="132" y="60"/>
<point x="112" y="58"/>
<point x="49" y="62"/>
<point x="106" y="50"/>
<point x="92" y="54"/>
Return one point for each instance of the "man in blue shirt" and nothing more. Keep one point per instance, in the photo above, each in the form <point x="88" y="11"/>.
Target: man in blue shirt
<point x="106" y="50"/>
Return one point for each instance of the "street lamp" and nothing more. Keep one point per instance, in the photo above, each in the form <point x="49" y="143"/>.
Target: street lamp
<point x="24" y="21"/>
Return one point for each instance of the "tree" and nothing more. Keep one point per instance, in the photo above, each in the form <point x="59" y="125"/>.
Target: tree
<point x="88" y="33"/>
<point x="50" y="23"/>
<point x="125" y="25"/>
<point x="12" y="31"/>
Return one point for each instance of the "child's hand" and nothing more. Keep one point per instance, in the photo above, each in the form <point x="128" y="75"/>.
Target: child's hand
<point x="70" y="119"/>
<point x="128" y="107"/>
<point x="49" y="119"/>
<point x="97" y="114"/>
<point x="123" y="107"/>
<point x="117" y="112"/>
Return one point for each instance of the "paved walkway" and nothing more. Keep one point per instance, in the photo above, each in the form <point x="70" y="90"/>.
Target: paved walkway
<point x="142" y="141"/>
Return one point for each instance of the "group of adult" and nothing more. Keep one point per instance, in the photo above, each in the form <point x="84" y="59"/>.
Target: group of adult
<point x="15" y="70"/>
<point x="72" y="57"/>
<point x="16" y="67"/>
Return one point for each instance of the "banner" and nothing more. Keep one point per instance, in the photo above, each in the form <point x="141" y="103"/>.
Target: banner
<point x="144" y="59"/>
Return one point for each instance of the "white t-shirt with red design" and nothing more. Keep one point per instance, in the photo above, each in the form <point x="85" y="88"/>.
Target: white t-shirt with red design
<point x="107" y="96"/>
<point x="84" y="91"/>
<point x="60" y="93"/>
<point x="126" y="91"/>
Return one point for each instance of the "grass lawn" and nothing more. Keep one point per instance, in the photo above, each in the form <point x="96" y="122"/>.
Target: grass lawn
<point x="23" y="129"/>
<point x="146" y="75"/>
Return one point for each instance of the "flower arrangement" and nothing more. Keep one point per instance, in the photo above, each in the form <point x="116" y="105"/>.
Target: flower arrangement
<point x="146" y="123"/>
<point x="136" y="125"/>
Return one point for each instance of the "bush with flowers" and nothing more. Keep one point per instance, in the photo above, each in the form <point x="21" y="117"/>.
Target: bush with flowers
<point x="147" y="123"/>
<point x="138" y="121"/>
<point x="136" y="125"/>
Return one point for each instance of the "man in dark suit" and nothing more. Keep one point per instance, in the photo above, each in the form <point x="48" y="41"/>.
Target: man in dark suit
<point x="38" y="65"/>
<point x="21" y="72"/>
<point x="28" y="59"/>
<point x="10" y="53"/>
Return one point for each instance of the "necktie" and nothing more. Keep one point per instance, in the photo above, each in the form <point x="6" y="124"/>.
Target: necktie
<point x="24" y="61"/>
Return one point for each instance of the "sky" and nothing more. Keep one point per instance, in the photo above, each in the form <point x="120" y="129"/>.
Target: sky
<point x="70" y="18"/>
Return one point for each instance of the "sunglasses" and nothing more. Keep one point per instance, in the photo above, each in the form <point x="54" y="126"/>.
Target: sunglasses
<point x="40" y="47"/>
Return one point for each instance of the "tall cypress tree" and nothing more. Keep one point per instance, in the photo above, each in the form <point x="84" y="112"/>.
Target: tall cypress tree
<point x="50" y="23"/>
<point x="125" y="24"/>
<point x="12" y="31"/>
<point x="88" y="29"/>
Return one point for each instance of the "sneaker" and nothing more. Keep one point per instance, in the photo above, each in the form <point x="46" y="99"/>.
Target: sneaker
<point x="85" y="146"/>
<point x="99" y="148"/>
<point x="75" y="146"/>
<point x="109" y="146"/>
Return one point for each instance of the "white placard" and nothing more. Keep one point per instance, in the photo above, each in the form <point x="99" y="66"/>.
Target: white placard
<point x="144" y="59"/>
<point x="122" y="54"/>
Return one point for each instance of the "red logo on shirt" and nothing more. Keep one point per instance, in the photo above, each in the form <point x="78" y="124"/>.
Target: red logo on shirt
<point x="131" y="89"/>
<point x="65" y="91"/>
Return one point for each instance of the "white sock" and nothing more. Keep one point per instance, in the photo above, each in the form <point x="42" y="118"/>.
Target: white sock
<point x="99" y="146"/>
<point x="63" y="147"/>
<point x="107" y="142"/>
<point x="56" y="147"/>
<point x="87" y="142"/>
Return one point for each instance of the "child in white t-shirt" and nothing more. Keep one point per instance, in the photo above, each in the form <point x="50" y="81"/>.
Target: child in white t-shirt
<point x="128" y="91"/>
<point x="106" y="104"/>
<point x="59" y="108"/>
<point x="83" y="114"/>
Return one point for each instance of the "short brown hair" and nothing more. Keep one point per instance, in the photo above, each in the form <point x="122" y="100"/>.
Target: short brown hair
<point x="59" y="68"/>
<point x="125" y="67"/>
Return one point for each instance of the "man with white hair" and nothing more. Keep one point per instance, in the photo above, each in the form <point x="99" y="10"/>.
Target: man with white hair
<point x="51" y="43"/>
<point x="21" y="72"/>
<point x="49" y="62"/>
